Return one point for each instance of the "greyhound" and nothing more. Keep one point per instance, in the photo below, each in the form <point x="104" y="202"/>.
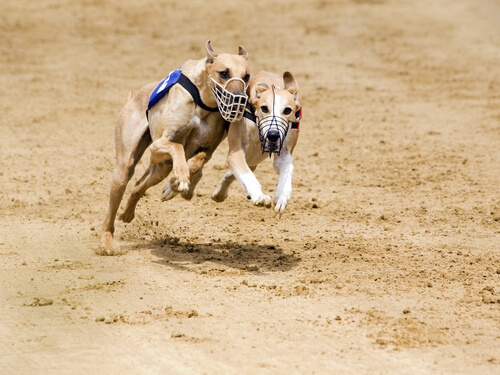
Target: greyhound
<point x="271" y="127"/>
<point x="184" y="118"/>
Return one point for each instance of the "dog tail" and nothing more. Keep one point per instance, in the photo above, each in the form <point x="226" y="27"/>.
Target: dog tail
<point x="130" y="95"/>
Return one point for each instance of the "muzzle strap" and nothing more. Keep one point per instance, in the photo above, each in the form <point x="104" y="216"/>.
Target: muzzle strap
<point x="298" y="116"/>
<point x="250" y="113"/>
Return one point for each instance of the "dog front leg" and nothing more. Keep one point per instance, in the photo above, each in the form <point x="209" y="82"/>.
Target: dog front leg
<point x="283" y="165"/>
<point x="247" y="179"/>
<point x="162" y="150"/>
<point x="239" y="167"/>
<point x="153" y="175"/>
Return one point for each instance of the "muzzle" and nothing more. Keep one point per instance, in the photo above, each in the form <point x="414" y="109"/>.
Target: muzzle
<point x="231" y="106"/>
<point x="272" y="133"/>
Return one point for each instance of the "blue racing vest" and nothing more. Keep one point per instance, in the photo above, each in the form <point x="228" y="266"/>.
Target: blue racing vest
<point x="163" y="87"/>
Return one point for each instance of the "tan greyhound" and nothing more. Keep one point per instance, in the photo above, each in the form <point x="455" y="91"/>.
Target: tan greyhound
<point x="184" y="127"/>
<point x="272" y="128"/>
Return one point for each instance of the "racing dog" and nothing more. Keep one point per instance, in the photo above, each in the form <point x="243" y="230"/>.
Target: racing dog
<point x="184" y="118"/>
<point x="271" y="127"/>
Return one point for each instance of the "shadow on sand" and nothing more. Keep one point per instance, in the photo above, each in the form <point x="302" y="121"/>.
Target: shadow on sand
<point x="179" y="254"/>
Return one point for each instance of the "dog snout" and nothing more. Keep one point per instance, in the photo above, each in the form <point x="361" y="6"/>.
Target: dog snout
<point x="236" y="87"/>
<point x="273" y="136"/>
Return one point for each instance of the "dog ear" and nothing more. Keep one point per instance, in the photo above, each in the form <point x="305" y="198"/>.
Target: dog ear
<point x="243" y="52"/>
<point x="211" y="55"/>
<point x="260" y="88"/>
<point x="291" y="84"/>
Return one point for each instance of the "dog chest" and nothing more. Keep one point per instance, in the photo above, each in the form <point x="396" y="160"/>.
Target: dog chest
<point x="205" y="133"/>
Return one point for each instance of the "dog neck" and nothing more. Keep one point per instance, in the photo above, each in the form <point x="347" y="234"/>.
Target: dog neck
<point x="206" y="94"/>
<point x="196" y="71"/>
<point x="202" y="81"/>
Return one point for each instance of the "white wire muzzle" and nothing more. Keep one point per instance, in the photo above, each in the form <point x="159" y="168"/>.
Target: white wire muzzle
<point x="272" y="130"/>
<point x="272" y="133"/>
<point x="231" y="106"/>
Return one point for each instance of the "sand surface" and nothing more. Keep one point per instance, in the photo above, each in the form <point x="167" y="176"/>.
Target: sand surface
<point x="387" y="259"/>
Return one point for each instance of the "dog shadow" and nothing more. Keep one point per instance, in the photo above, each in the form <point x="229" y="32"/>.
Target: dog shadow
<point x="175" y="253"/>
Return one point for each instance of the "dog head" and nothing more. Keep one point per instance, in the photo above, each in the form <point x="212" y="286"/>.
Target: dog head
<point x="228" y="77"/>
<point x="275" y="109"/>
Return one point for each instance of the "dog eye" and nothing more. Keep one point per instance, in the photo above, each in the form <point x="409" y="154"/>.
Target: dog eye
<point x="246" y="77"/>
<point x="224" y="74"/>
<point x="264" y="109"/>
<point x="287" y="111"/>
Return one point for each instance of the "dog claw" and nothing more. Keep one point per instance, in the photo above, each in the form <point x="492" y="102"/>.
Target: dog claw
<point x="279" y="211"/>
<point x="280" y="206"/>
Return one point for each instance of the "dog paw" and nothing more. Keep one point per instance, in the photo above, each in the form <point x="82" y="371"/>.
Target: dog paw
<point x="175" y="187"/>
<point x="187" y="195"/>
<point x="280" y="205"/>
<point x="183" y="187"/>
<point x="126" y="216"/>
<point x="168" y="193"/>
<point x="108" y="247"/>
<point x="219" y="195"/>
<point x="262" y="200"/>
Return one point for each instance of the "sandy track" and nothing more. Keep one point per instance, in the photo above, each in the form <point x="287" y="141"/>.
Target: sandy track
<point x="387" y="259"/>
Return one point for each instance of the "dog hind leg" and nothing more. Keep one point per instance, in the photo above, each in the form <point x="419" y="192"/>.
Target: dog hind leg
<point x="128" y="155"/>
<point x="221" y="193"/>
<point x="195" y="165"/>
<point x="153" y="175"/>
